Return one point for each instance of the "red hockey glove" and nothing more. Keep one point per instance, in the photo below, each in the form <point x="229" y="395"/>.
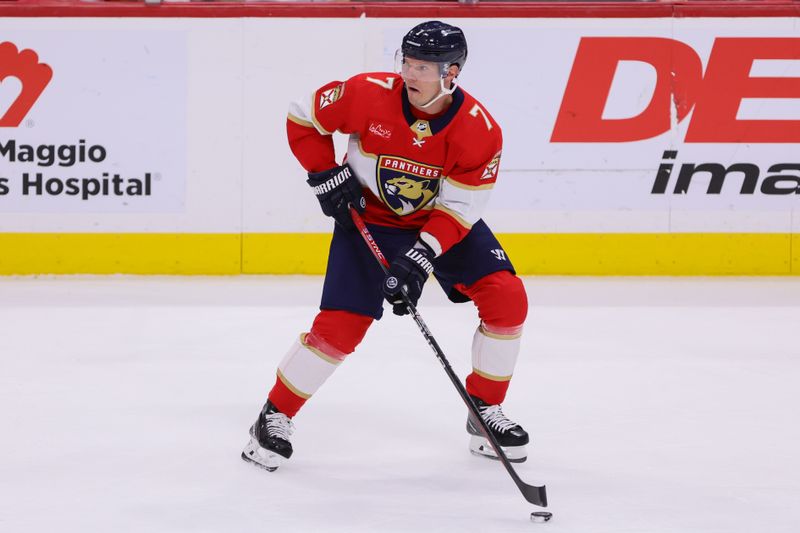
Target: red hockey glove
<point x="336" y="188"/>
<point x="409" y="270"/>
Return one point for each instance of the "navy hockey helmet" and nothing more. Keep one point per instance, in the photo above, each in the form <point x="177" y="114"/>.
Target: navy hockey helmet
<point x="436" y="41"/>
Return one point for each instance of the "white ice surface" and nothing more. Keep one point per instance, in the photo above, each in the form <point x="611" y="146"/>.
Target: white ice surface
<point x="655" y="405"/>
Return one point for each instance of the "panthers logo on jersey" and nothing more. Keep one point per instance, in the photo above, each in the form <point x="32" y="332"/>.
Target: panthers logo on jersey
<point x="407" y="186"/>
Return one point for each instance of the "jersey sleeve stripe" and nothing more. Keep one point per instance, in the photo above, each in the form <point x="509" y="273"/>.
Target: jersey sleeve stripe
<point x="484" y="187"/>
<point x="467" y="204"/>
<point x="303" y="110"/>
<point x="454" y="215"/>
<point x="299" y="121"/>
<point x="319" y="126"/>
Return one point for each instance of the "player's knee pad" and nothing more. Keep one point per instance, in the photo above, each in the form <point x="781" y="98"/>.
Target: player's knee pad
<point x="337" y="333"/>
<point x="501" y="300"/>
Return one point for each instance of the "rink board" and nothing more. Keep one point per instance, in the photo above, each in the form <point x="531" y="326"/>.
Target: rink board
<point x="164" y="150"/>
<point x="306" y="253"/>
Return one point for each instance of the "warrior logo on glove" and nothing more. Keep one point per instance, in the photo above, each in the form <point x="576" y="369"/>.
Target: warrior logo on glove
<point x="409" y="271"/>
<point x="332" y="183"/>
<point x="337" y="190"/>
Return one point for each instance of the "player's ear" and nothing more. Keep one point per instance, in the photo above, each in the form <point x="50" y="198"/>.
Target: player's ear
<point x="453" y="72"/>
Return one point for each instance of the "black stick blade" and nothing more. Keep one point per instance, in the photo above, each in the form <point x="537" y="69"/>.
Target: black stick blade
<point x="534" y="495"/>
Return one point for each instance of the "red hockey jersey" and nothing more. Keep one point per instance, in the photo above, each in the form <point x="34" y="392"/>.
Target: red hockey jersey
<point x="434" y="174"/>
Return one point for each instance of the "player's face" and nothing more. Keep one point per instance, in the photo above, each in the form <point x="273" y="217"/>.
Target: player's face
<point x="418" y="69"/>
<point x="422" y="80"/>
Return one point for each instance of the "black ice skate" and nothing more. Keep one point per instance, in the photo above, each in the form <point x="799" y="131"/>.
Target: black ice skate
<point x="269" y="444"/>
<point x="509" y="434"/>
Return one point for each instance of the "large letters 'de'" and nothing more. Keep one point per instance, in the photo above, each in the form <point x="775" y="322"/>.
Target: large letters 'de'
<point x="714" y="96"/>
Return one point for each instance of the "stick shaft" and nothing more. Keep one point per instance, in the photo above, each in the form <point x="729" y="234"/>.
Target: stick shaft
<point x="533" y="494"/>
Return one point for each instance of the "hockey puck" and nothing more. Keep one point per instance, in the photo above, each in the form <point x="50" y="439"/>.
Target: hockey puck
<point x="541" y="516"/>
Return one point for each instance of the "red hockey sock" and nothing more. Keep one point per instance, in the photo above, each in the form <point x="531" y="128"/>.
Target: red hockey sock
<point x="502" y="306"/>
<point x="490" y="391"/>
<point x="284" y="399"/>
<point x="334" y="335"/>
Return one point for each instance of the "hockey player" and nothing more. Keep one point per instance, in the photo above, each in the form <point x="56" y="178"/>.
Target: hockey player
<point x="421" y="162"/>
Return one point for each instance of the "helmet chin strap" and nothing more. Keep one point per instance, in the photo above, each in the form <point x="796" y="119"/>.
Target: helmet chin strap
<point x="442" y="92"/>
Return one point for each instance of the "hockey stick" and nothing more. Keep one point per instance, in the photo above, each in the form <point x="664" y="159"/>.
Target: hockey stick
<point x="535" y="495"/>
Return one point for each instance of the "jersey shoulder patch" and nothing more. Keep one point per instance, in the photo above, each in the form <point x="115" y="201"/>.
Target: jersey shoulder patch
<point x="330" y="96"/>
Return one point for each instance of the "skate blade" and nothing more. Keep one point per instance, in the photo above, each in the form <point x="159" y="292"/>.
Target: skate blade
<point x="261" y="457"/>
<point x="480" y="446"/>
